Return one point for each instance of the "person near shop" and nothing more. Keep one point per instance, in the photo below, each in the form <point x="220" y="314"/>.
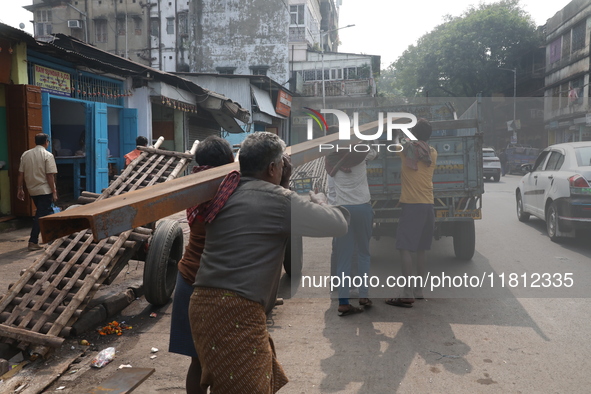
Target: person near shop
<point x="37" y="170"/>
<point x="417" y="219"/>
<point x="248" y="224"/>
<point x="213" y="151"/>
<point x="134" y="154"/>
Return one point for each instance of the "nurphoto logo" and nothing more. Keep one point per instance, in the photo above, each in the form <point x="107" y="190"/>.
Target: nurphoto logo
<point x="344" y="123"/>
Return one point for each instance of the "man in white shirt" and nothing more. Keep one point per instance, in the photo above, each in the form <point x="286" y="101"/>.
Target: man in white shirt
<point x="37" y="170"/>
<point x="349" y="176"/>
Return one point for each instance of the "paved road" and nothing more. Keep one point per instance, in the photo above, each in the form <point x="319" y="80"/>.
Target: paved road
<point x="485" y="340"/>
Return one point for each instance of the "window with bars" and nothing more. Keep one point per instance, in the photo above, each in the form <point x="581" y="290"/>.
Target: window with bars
<point x="578" y="37"/>
<point x="259" y="70"/>
<point x="183" y="24"/>
<point x="555" y="98"/>
<point x="575" y="93"/>
<point x="121" y="27"/>
<point x="137" y="25"/>
<point x="100" y="30"/>
<point x="564" y="89"/>
<point x="566" y="44"/>
<point x="296" y="13"/>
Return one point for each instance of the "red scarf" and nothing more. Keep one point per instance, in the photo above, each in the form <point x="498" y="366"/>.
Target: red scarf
<point x="207" y="211"/>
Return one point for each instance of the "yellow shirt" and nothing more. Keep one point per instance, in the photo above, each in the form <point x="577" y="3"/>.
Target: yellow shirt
<point x="35" y="164"/>
<point x="417" y="186"/>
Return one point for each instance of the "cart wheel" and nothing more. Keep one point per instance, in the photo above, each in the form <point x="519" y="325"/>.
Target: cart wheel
<point x="292" y="260"/>
<point x="464" y="240"/>
<point x="160" y="270"/>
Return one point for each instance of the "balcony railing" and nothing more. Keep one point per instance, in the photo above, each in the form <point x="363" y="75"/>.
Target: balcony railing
<point x="360" y="87"/>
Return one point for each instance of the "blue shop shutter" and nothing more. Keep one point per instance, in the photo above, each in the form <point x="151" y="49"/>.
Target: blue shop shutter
<point x="98" y="173"/>
<point x="129" y="132"/>
<point x="46" y="117"/>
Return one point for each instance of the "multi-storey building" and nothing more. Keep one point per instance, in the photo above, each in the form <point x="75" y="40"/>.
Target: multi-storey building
<point x="153" y="32"/>
<point x="566" y="104"/>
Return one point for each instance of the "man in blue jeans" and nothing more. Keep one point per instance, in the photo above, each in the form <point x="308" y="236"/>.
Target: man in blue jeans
<point x="38" y="169"/>
<point x="349" y="173"/>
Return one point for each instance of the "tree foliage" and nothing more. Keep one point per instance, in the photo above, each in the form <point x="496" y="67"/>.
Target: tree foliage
<point x="465" y="55"/>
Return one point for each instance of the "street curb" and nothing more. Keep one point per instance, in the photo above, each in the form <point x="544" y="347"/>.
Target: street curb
<point x="108" y="307"/>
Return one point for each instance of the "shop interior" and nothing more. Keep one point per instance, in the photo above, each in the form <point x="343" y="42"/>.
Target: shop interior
<point x="71" y="141"/>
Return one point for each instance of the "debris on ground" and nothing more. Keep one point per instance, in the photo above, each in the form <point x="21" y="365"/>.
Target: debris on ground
<point x="113" y="328"/>
<point x="104" y="357"/>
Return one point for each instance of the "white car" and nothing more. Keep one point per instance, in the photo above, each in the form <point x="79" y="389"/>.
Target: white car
<point x="491" y="165"/>
<point x="557" y="189"/>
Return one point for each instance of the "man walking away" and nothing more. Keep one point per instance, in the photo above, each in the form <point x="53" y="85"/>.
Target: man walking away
<point x="417" y="220"/>
<point x="38" y="170"/>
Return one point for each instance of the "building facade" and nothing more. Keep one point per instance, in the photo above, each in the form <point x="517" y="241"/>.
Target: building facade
<point x="566" y="104"/>
<point x="155" y="33"/>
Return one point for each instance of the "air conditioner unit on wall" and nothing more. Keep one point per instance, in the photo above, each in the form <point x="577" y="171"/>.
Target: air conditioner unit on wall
<point x="74" y="24"/>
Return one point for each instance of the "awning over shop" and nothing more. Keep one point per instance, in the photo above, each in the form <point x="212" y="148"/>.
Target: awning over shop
<point x="225" y="112"/>
<point x="264" y="102"/>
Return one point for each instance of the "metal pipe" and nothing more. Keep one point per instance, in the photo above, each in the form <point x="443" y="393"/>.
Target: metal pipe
<point x="116" y="214"/>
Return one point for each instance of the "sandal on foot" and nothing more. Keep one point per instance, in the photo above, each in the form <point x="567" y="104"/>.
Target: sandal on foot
<point x="350" y="311"/>
<point x="401" y="302"/>
<point x="366" y="302"/>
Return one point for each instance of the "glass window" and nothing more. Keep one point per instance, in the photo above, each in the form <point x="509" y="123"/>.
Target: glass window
<point x="296" y="14"/>
<point x="555" y="161"/>
<point x="583" y="156"/>
<point x="154" y="27"/>
<point x="169" y="25"/>
<point x="540" y="160"/>
<point x="578" y="38"/>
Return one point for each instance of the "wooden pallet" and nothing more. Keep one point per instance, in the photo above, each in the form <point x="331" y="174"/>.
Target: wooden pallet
<point x="39" y="310"/>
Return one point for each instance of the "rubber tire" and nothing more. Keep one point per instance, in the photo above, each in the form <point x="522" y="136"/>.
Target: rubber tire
<point x="552" y="222"/>
<point x="464" y="236"/>
<point x="293" y="258"/>
<point x="160" y="271"/>
<point x="521" y="215"/>
<point x="497" y="178"/>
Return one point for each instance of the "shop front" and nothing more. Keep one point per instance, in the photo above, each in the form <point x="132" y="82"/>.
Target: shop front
<point x="89" y="128"/>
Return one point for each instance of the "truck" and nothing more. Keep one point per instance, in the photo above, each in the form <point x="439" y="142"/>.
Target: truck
<point x="457" y="184"/>
<point x="518" y="155"/>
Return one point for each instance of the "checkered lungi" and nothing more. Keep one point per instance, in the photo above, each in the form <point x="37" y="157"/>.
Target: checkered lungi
<point x="235" y="350"/>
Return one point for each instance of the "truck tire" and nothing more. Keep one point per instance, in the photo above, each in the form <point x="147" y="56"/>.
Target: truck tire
<point x="293" y="259"/>
<point x="160" y="270"/>
<point x="497" y="177"/>
<point x="464" y="239"/>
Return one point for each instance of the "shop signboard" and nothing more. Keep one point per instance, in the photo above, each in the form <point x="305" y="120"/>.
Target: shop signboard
<point x="53" y="81"/>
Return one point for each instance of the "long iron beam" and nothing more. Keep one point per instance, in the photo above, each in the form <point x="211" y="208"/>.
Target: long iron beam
<point x="114" y="215"/>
